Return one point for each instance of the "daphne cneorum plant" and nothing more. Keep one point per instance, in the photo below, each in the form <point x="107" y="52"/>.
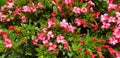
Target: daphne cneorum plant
<point x="60" y="29"/>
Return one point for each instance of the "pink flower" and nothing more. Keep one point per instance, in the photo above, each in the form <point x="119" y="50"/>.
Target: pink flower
<point x="90" y="3"/>
<point x="33" y="9"/>
<point x="17" y="11"/>
<point x="80" y="22"/>
<point x="41" y="36"/>
<point x="118" y="22"/>
<point x="5" y="36"/>
<point x="10" y="5"/>
<point x="71" y="28"/>
<point x="112" y="19"/>
<point x="50" y="35"/>
<point x="104" y="18"/>
<point x="117" y="15"/>
<point x="7" y="41"/>
<point x="53" y="14"/>
<point x="51" y="22"/>
<point x="116" y="32"/>
<point x="113" y="41"/>
<point x="3" y="7"/>
<point x="23" y="18"/>
<point x="110" y="1"/>
<point x="64" y="24"/>
<point x="91" y="9"/>
<point x="44" y="30"/>
<point x="45" y="41"/>
<point x="68" y="2"/>
<point x="40" y="5"/>
<point x="76" y="10"/>
<point x="112" y="6"/>
<point x="60" y="39"/>
<point x="83" y="10"/>
<point x="52" y="46"/>
<point x="105" y="25"/>
<point x="26" y="9"/>
<point x="117" y="55"/>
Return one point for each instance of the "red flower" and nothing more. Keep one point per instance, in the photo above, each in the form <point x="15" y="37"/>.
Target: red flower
<point x="103" y="41"/>
<point x="81" y="42"/>
<point x="111" y="51"/>
<point x="96" y="14"/>
<point x="98" y="48"/>
<point x="35" y="42"/>
<point x="86" y="52"/>
<point x="1" y="32"/>
<point x="92" y="55"/>
<point x="66" y="46"/>
<point x="56" y="52"/>
<point x="105" y="46"/>
<point x="9" y="1"/>
<point x="19" y="31"/>
<point x="59" y="7"/>
<point x="11" y="27"/>
<point x="94" y="39"/>
<point x="53" y="14"/>
<point x="95" y="27"/>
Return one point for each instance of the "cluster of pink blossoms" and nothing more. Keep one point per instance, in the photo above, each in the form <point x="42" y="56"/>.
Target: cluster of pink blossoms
<point x="46" y="38"/>
<point x="66" y="26"/>
<point x="77" y="10"/>
<point x="10" y="5"/>
<point x="109" y="21"/>
<point x="7" y="41"/>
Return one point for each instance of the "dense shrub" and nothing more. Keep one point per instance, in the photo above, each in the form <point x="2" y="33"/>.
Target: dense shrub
<point x="60" y="29"/>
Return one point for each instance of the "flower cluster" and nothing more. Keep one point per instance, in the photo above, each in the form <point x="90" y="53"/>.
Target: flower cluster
<point x="60" y="29"/>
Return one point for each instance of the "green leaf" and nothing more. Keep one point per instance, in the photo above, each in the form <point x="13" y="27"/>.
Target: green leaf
<point x="2" y="2"/>
<point x="84" y="4"/>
